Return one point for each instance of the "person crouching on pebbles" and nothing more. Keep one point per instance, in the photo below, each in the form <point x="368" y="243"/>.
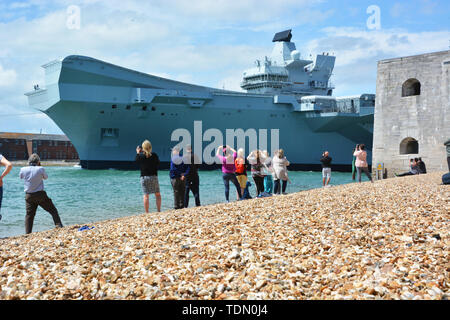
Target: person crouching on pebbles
<point x="34" y="176"/>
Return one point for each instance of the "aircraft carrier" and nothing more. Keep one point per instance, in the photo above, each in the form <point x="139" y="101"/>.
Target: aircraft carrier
<point x="107" y="110"/>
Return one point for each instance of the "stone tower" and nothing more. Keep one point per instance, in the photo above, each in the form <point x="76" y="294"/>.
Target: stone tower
<point x="412" y="112"/>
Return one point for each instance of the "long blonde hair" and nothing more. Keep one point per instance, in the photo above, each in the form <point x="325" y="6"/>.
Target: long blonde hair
<point x="147" y="148"/>
<point x="281" y="153"/>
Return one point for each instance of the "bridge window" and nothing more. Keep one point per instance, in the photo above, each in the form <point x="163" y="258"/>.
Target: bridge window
<point x="409" y="146"/>
<point x="411" y="87"/>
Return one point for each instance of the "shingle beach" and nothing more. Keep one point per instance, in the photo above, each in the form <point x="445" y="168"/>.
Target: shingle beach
<point x="387" y="240"/>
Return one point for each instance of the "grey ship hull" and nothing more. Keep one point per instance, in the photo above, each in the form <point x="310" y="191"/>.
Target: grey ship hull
<point x="107" y="110"/>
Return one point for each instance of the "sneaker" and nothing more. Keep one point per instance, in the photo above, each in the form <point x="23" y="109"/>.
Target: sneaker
<point x="285" y="193"/>
<point x="59" y="225"/>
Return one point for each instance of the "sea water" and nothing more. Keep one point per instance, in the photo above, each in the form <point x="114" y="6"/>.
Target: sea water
<point x="84" y="197"/>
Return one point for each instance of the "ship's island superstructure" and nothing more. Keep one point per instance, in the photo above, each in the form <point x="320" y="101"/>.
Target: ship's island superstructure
<point x="106" y="110"/>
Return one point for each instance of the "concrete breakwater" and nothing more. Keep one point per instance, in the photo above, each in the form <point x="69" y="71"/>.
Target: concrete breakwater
<point x="387" y="240"/>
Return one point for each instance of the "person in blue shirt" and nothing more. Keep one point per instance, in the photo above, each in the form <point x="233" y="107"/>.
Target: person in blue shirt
<point x="34" y="176"/>
<point x="177" y="176"/>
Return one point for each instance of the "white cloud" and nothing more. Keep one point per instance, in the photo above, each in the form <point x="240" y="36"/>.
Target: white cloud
<point x="7" y="77"/>
<point x="358" y="52"/>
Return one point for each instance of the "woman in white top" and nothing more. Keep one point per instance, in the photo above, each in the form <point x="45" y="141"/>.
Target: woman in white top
<point x="279" y="165"/>
<point x="361" y="162"/>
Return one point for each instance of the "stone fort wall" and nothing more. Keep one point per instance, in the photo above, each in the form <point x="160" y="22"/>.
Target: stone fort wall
<point x="412" y="111"/>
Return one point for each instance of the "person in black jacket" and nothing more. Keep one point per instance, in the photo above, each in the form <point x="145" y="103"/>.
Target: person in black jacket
<point x="192" y="179"/>
<point x="148" y="162"/>
<point x="326" y="168"/>
<point x="421" y="165"/>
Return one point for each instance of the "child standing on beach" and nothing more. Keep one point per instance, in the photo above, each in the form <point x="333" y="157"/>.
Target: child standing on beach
<point x="268" y="180"/>
<point x="241" y="170"/>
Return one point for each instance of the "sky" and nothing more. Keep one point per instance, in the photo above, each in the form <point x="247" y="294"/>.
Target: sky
<point x="206" y="42"/>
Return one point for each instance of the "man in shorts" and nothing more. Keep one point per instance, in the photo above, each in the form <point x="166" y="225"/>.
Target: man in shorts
<point x="326" y="168"/>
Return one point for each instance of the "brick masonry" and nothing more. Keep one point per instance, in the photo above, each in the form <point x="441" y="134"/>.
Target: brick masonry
<point x="424" y="117"/>
<point x="19" y="146"/>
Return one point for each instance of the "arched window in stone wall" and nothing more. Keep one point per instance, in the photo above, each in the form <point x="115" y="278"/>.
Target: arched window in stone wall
<point x="411" y="87"/>
<point x="409" y="146"/>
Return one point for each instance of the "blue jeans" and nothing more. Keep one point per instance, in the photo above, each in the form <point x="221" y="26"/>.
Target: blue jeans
<point x="227" y="177"/>
<point x="268" y="184"/>
<point x="1" y="197"/>
<point x="277" y="188"/>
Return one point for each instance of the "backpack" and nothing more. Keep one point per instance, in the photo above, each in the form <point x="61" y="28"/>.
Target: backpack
<point x="446" y="178"/>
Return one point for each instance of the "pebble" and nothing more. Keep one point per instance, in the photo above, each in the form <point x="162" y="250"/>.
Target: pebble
<point x="384" y="240"/>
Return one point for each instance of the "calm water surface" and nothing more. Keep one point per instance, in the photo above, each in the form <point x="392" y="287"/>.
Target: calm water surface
<point x="86" y="196"/>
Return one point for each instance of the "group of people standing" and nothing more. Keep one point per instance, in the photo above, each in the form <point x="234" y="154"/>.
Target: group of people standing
<point x="269" y="173"/>
<point x="183" y="176"/>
